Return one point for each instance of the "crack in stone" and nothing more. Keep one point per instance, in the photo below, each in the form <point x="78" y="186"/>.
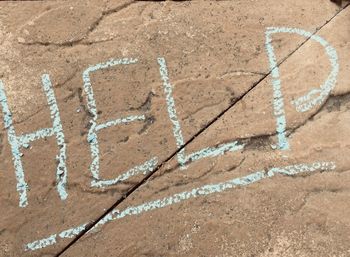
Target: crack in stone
<point x="67" y="80"/>
<point x="87" y="114"/>
<point x="92" y="27"/>
<point x="146" y="105"/>
<point x="150" y="119"/>
<point x="172" y="169"/>
<point x="184" y="183"/>
<point x="234" y="167"/>
<point x="29" y="116"/>
<point x="201" y="108"/>
<point x="318" y="191"/>
<point x="1" y="143"/>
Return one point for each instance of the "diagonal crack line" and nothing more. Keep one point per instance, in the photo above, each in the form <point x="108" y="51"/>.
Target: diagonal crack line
<point x="136" y="186"/>
<point x="106" y="13"/>
<point x="92" y="27"/>
<point x="147" y="177"/>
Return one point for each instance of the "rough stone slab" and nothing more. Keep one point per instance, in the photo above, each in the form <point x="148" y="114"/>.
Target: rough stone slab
<point x="209" y="66"/>
<point x="299" y="210"/>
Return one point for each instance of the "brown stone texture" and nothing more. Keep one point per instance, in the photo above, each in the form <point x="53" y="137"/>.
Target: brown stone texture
<point x="221" y="78"/>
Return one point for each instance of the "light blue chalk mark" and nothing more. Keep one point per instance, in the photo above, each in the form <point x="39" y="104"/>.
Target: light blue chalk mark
<point x="26" y="139"/>
<point x="318" y="95"/>
<point x="116" y="122"/>
<point x="313" y="97"/>
<point x="181" y="156"/>
<point x="145" y="168"/>
<point x="61" y="172"/>
<point x="177" y="198"/>
<point x="104" y="220"/>
<point x="23" y="141"/>
<point x="220" y="187"/>
<point x="302" y="168"/>
<point x="91" y="104"/>
<point x="278" y="102"/>
<point x="70" y="233"/>
<point x="39" y="244"/>
<point x="168" y="89"/>
<point x="209" y="189"/>
<point x="51" y="240"/>
<point x="16" y="154"/>
<point x="214" y="151"/>
<point x="94" y="128"/>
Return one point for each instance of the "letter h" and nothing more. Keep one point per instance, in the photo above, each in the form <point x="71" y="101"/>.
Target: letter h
<point x="16" y="142"/>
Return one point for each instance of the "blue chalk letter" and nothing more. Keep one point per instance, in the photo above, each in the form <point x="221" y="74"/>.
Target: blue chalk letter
<point x="17" y="142"/>
<point x="92" y="138"/>
<point x="304" y="103"/>
<point x="205" y="152"/>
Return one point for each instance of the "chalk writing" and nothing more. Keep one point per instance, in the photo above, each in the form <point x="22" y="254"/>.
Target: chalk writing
<point x="94" y="128"/>
<point x="145" y="168"/>
<point x="303" y="103"/>
<point x="204" y="153"/>
<point x="23" y="141"/>
<point x="179" y="197"/>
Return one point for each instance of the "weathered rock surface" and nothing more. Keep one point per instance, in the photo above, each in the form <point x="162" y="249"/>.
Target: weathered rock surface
<point x="166" y="75"/>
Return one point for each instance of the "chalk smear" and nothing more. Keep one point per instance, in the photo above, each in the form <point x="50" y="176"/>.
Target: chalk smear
<point x="205" y="190"/>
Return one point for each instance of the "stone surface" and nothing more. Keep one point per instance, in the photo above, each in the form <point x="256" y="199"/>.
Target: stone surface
<point x="219" y="72"/>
